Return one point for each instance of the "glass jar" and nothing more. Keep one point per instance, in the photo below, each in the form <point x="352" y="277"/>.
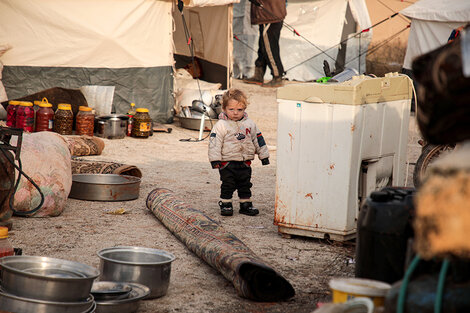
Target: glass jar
<point x="25" y="116"/>
<point x="141" y="123"/>
<point x="6" y="248"/>
<point x="44" y="118"/>
<point x="85" y="121"/>
<point x="63" y="119"/>
<point x="11" y="112"/>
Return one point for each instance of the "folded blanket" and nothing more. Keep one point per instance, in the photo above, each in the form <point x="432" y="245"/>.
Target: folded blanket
<point x="222" y="250"/>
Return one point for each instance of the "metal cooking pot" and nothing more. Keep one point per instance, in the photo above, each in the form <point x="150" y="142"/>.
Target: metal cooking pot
<point x="112" y="126"/>
<point x="146" y="266"/>
<point x="12" y="303"/>
<point x="104" y="187"/>
<point x="46" y="278"/>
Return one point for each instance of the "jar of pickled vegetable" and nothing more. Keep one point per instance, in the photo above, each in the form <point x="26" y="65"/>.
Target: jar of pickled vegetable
<point x="25" y="116"/>
<point x="11" y="112"/>
<point x="85" y="121"/>
<point x="141" y="126"/>
<point x="63" y="119"/>
<point x="44" y="117"/>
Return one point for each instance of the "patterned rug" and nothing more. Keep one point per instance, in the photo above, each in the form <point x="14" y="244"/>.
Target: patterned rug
<point x="80" y="166"/>
<point x="206" y="238"/>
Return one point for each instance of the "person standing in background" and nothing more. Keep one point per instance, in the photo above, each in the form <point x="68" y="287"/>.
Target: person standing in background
<point x="269" y="15"/>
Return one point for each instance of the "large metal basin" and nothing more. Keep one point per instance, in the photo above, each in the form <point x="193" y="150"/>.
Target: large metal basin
<point x="46" y="278"/>
<point x="104" y="187"/>
<point x="146" y="266"/>
<point x="12" y="303"/>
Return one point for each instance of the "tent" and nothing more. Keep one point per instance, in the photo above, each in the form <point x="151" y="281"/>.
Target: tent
<point x="324" y="24"/>
<point x="129" y="44"/>
<point x="432" y="22"/>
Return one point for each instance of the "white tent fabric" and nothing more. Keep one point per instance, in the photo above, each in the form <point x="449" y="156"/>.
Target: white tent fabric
<point x="70" y="34"/>
<point x="432" y="22"/>
<point x="321" y="23"/>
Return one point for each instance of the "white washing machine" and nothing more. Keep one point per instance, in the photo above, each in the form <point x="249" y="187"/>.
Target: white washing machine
<point x="337" y="142"/>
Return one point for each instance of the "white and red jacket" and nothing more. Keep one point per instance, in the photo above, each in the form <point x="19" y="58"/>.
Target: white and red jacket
<point x="236" y="140"/>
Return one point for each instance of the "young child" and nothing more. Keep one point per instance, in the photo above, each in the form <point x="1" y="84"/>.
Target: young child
<point x="234" y="141"/>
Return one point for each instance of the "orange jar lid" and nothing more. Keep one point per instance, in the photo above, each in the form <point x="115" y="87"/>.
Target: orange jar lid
<point x="14" y="102"/>
<point x="84" y="108"/>
<point x="45" y="105"/>
<point x="26" y="104"/>
<point x="142" y="110"/>
<point x="64" y="106"/>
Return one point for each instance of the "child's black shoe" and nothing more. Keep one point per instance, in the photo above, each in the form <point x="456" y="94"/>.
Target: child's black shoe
<point x="248" y="209"/>
<point x="226" y="208"/>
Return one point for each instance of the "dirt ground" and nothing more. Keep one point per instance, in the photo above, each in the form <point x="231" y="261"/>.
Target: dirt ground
<point x="84" y="227"/>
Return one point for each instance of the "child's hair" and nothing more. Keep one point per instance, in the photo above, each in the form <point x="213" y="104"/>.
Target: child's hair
<point x="235" y="94"/>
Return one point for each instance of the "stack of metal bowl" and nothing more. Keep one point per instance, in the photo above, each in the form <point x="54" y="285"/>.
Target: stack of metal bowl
<point x="34" y="284"/>
<point x="129" y="274"/>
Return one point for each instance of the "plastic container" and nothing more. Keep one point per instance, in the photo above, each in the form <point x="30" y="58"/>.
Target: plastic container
<point x="141" y="123"/>
<point x="132" y="111"/>
<point x="348" y="288"/>
<point x="5" y="246"/>
<point x="63" y="119"/>
<point x="85" y="121"/>
<point x="44" y="117"/>
<point x="25" y="116"/>
<point x="384" y="228"/>
<point x="11" y="112"/>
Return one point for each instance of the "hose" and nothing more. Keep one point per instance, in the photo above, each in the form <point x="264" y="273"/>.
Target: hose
<point x="404" y="284"/>
<point x="440" y="286"/>
<point x="20" y="172"/>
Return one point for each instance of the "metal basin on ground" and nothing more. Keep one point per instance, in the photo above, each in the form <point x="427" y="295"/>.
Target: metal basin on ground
<point x="195" y="123"/>
<point x="46" y="278"/>
<point x="104" y="187"/>
<point x="146" y="266"/>
<point x="13" y="303"/>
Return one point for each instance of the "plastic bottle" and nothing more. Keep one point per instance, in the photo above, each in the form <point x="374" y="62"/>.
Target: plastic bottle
<point x="11" y="112"/>
<point x="5" y="246"/>
<point x="25" y="116"/>
<point x="132" y="111"/>
<point x="85" y="121"/>
<point x="44" y="118"/>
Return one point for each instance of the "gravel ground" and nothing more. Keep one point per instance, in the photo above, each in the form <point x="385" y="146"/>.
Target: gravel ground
<point x="84" y="227"/>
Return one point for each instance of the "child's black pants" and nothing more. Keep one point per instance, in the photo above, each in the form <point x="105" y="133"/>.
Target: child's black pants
<point x="235" y="176"/>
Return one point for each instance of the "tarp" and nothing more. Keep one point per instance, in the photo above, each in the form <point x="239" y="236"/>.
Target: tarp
<point x="432" y="22"/>
<point x="323" y="24"/>
<point x="128" y="44"/>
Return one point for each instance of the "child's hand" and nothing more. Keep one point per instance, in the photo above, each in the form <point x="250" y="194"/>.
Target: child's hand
<point x="265" y="161"/>
<point x="215" y="164"/>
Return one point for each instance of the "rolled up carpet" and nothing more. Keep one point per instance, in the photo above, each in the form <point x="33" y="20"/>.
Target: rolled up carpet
<point x="249" y="275"/>
<point x="80" y="166"/>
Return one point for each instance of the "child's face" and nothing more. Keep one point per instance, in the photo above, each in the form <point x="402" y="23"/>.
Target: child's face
<point x="234" y="110"/>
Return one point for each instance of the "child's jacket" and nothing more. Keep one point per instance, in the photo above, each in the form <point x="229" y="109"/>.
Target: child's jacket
<point x="236" y="140"/>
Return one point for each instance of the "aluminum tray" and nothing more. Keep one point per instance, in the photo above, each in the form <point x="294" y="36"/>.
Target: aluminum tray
<point x="104" y="187"/>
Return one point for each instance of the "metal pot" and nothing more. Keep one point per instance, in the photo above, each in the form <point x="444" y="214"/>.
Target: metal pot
<point x="146" y="266"/>
<point x="46" y="278"/>
<point x="112" y="126"/>
<point x="12" y="303"/>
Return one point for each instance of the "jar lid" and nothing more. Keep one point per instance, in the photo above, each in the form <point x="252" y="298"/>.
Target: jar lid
<point x="14" y="102"/>
<point x="3" y="232"/>
<point x="64" y="106"/>
<point x="37" y="102"/>
<point x="45" y="105"/>
<point x="26" y="104"/>
<point x="84" y="108"/>
<point x="142" y="110"/>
